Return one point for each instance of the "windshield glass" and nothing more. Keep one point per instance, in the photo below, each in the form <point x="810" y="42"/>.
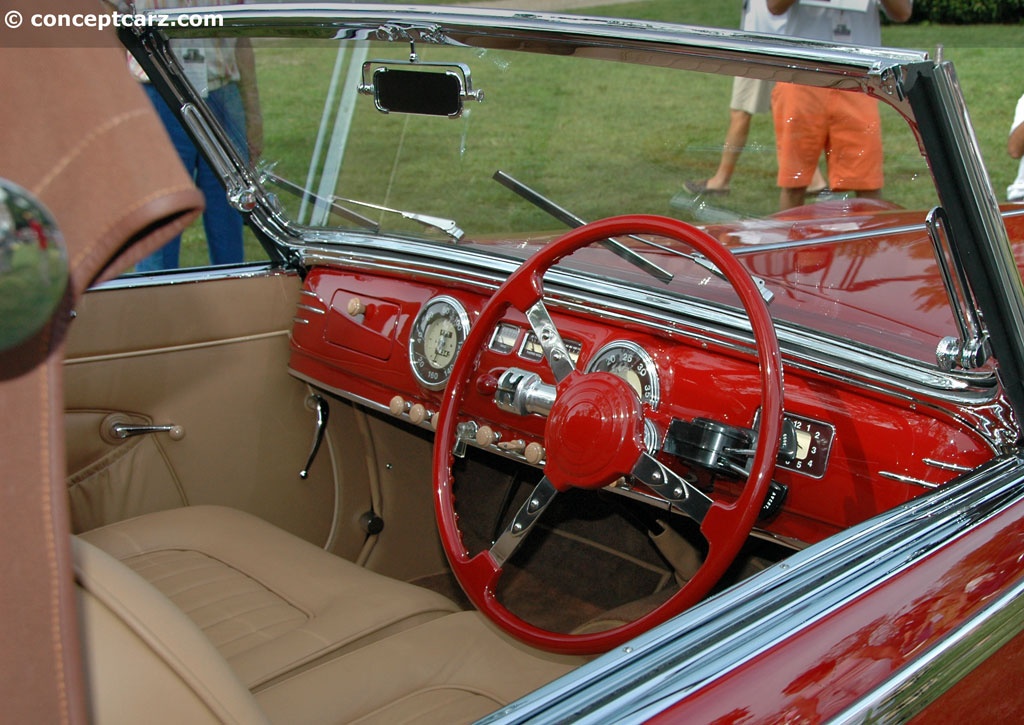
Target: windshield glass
<point x="546" y="141"/>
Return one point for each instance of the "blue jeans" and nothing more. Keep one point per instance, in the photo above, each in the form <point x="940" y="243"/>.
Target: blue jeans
<point x="221" y="222"/>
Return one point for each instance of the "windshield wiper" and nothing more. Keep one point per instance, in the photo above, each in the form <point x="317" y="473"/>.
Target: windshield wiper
<point x="448" y="226"/>
<point x="626" y="253"/>
<point x="336" y="205"/>
<point x="266" y="174"/>
<point x="567" y="217"/>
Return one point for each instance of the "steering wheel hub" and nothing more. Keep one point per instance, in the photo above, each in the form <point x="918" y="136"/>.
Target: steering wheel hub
<point x="594" y="432"/>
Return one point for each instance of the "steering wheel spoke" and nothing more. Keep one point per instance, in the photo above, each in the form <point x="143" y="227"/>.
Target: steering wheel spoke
<point x="523" y="522"/>
<point x="550" y="340"/>
<point x="672" y="487"/>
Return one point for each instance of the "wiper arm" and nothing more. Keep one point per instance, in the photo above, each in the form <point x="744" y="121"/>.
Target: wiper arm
<point x="626" y="253"/>
<point x="266" y="174"/>
<point x="448" y="226"/>
<point x="567" y="217"/>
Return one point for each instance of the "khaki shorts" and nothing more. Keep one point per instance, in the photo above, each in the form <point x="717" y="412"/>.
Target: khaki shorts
<point x="750" y="95"/>
<point x="844" y="126"/>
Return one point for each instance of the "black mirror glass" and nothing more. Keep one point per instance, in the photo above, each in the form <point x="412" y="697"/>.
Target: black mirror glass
<point x="421" y="92"/>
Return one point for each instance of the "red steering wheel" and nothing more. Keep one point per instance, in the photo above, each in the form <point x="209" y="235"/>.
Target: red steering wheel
<point x="594" y="435"/>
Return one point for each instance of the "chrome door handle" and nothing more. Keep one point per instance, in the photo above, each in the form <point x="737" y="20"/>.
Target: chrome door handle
<point x="116" y="428"/>
<point x="123" y="430"/>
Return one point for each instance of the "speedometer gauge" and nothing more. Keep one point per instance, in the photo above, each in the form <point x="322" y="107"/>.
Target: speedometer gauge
<point x="633" y="364"/>
<point x="437" y="335"/>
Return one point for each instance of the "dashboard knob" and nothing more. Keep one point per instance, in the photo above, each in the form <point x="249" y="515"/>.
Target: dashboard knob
<point x="356" y="307"/>
<point x="486" y="385"/>
<point x="534" y="453"/>
<point x="485" y="436"/>
<point x="417" y="413"/>
<point x="397" y="406"/>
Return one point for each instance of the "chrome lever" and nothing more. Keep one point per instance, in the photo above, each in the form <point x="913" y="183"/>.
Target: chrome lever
<point x="319" y="404"/>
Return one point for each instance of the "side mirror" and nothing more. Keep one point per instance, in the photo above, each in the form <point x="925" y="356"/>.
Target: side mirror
<point x="397" y="88"/>
<point x="33" y="265"/>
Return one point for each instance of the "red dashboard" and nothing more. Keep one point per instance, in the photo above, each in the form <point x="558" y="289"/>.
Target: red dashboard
<point x="387" y="342"/>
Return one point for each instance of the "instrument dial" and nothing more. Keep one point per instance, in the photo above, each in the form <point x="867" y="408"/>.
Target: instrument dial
<point x="437" y="335"/>
<point x="633" y="364"/>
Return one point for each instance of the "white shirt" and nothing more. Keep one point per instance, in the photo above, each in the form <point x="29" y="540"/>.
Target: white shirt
<point x="757" y="18"/>
<point x="849" y="27"/>
<point x="1015" y="191"/>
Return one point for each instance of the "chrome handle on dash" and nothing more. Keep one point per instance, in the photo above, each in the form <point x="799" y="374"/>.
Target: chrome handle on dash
<point x="319" y="404"/>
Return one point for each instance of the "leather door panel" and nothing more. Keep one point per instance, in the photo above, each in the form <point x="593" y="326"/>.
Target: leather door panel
<point x="209" y="355"/>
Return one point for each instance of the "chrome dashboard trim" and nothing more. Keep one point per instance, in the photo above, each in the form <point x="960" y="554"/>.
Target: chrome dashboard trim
<point x="908" y="479"/>
<point x="669" y="663"/>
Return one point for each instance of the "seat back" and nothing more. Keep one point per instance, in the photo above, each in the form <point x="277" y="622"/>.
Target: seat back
<point x="146" y="661"/>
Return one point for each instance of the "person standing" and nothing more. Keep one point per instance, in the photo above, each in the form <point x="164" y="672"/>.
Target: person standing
<point x="223" y="71"/>
<point x="749" y="96"/>
<point x="845" y="126"/>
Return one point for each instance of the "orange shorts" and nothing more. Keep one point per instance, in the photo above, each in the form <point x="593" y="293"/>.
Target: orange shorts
<point x="845" y="126"/>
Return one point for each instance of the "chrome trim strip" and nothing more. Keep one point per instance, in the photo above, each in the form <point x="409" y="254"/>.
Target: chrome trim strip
<point x="674" y="660"/>
<point x="343" y="394"/>
<point x="191" y="275"/>
<point x="308" y="308"/>
<point x="908" y="479"/>
<point x="944" y="465"/>
<point x="921" y="682"/>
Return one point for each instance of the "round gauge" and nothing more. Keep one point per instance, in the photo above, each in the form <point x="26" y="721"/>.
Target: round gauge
<point x="633" y="364"/>
<point x="437" y="335"/>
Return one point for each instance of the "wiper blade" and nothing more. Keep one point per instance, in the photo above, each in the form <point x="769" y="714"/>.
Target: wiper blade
<point x="448" y="226"/>
<point x="567" y="217"/>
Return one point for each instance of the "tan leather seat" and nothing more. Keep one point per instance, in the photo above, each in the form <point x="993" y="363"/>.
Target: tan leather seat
<point x="148" y="662"/>
<point x="268" y="601"/>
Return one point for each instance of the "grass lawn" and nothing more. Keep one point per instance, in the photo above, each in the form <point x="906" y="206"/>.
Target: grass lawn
<point x="981" y="55"/>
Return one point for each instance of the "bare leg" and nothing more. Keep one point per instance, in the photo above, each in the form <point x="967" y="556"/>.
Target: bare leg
<point x="735" y="140"/>
<point x="818" y="182"/>
<point x="789" y="198"/>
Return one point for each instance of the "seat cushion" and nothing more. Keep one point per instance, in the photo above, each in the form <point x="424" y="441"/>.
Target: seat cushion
<point x="454" y="669"/>
<point x="270" y="602"/>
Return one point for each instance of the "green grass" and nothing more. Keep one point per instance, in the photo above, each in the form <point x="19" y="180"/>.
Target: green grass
<point x="665" y="145"/>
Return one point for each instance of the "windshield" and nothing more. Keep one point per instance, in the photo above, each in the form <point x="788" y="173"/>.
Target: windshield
<point x="543" y="142"/>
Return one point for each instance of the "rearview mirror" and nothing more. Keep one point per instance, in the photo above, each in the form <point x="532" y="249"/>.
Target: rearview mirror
<point x="423" y="92"/>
